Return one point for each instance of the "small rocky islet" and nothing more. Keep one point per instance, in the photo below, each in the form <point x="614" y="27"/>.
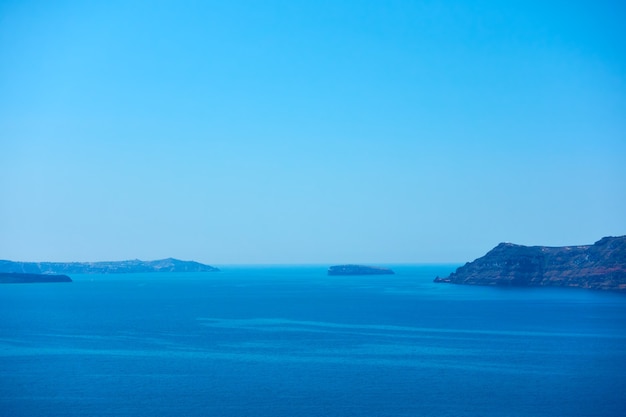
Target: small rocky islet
<point x="358" y="270"/>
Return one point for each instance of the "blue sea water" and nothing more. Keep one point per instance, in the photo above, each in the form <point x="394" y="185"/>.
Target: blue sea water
<point x="291" y="341"/>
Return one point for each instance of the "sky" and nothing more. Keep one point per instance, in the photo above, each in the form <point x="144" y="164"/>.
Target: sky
<point x="288" y="132"/>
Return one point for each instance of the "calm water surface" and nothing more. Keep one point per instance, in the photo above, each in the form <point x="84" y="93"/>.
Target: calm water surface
<point x="290" y="341"/>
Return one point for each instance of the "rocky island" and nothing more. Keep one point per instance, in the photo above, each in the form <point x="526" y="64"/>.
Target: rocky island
<point x="600" y="266"/>
<point x="358" y="270"/>
<point x="118" y="267"/>
<point x="17" y="278"/>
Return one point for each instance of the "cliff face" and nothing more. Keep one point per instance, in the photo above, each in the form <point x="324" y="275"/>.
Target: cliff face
<point x="133" y="266"/>
<point x="598" y="266"/>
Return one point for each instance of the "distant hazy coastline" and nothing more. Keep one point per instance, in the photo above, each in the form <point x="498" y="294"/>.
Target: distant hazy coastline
<point x="116" y="267"/>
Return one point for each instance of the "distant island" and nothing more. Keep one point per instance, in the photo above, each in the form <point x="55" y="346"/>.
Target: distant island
<point x="116" y="267"/>
<point x="18" y="278"/>
<point x="358" y="270"/>
<point x="600" y="266"/>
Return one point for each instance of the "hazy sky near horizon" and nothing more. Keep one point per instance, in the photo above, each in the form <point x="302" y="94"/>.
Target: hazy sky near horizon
<point x="309" y="131"/>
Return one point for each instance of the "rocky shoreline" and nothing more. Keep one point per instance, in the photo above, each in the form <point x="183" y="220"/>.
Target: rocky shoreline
<point x="600" y="266"/>
<point x="17" y="278"/>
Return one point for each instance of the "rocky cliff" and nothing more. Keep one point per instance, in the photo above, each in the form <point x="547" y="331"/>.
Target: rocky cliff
<point x="358" y="270"/>
<point x="599" y="266"/>
<point x="132" y="266"/>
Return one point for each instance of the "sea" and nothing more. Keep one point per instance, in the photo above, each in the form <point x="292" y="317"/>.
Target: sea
<point x="273" y="341"/>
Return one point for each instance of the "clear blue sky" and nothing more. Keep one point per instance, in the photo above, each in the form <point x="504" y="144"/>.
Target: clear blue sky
<point x="309" y="131"/>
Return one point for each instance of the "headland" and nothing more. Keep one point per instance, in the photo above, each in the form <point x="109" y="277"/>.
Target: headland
<point x="600" y="266"/>
<point x="17" y="278"/>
